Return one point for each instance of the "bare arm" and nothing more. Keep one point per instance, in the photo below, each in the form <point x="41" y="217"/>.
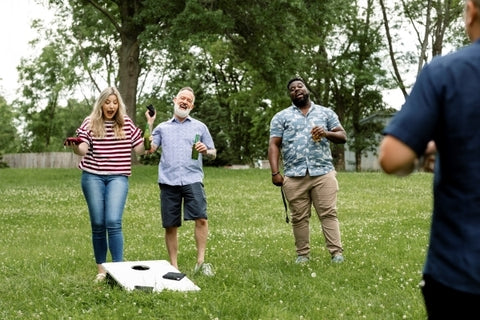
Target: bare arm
<point x="396" y="157"/>
<point x="80" y="149"/>
<point x="140" y="149"/>
<point x="274" y="146"/>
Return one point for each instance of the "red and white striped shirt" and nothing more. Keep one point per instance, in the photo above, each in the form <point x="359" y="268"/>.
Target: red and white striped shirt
<point x="109" y="155"/>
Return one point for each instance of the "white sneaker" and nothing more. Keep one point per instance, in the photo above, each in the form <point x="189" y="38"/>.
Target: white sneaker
<point x="205" y="268"/>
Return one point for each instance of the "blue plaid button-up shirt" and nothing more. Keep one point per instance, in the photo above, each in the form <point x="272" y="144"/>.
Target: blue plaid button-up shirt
<point x="176" y="167"/>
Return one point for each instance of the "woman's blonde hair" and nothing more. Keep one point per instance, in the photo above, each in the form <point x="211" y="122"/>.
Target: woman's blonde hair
<point x="97" y="121"/>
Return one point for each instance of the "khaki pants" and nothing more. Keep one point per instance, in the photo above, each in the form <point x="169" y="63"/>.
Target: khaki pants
<point x="321" y="191"/>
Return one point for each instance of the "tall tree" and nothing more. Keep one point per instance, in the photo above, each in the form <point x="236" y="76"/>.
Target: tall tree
<point x="43" y="78"/>
<point x="114" y="32"/>
<point x="235" y="54"/>
<point x="9" y="137"/>
<point x="364" y="44"/>
<point x="431" y="22"/>
<point x="340" y="59"/>
<point x="229" y="52"/>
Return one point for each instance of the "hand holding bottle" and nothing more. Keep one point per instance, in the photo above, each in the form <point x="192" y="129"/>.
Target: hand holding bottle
<point x="194" y="149"/>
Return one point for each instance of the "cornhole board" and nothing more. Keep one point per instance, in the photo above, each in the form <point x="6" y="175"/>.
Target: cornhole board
<point x="147" y="276"/>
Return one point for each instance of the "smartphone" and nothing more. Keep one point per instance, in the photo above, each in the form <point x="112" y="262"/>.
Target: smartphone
<point x="72" y="140"/>
<point x="151" y="110"/>
<point x="174" y="276"/>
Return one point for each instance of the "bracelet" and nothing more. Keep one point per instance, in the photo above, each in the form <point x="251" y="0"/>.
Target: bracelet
<point x="274" y="174"/>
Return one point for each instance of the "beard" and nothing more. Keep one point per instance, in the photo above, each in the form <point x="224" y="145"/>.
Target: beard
<point x="179" y="112"/>
<point x="301" y="102"/>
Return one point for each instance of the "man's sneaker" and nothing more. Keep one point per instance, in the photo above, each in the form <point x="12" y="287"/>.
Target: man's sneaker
<point x="337" y="258"/>
<point x="205" y="268"/>
<point x="302" y="259"/>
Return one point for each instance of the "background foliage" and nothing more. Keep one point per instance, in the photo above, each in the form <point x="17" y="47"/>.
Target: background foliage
<point x="237" y="55"/>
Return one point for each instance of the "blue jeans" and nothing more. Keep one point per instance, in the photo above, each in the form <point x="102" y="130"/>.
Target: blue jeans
<point x="106" y="196"/>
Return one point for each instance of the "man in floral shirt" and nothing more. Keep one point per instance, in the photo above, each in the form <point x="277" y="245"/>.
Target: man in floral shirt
<point x="302" y="134"/>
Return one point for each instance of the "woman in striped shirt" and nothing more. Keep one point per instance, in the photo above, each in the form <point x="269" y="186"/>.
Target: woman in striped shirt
<point x="105" y="141"/>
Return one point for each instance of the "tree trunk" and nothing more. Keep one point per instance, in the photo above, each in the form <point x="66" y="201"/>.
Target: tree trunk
<point x="358" y="161"/>
<point x="129" y="70"/>
<point x="338" y="154"/>
<point x="397" y="76"/>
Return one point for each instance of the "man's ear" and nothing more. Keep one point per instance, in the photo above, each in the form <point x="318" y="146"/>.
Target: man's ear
<point x="471" y="13"/>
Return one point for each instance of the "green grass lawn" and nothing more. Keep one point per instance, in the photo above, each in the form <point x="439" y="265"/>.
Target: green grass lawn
<point x="47" y="266"/>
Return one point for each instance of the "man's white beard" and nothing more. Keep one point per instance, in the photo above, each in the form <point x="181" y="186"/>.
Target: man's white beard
<point x="179" y="112"/>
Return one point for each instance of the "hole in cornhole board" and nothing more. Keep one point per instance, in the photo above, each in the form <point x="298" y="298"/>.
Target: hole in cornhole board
<point x="147" y="276"/>
<point x="140" y="267"/>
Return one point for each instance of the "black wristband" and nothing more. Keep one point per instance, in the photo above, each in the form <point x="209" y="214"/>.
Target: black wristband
<point x="274" y="174"/>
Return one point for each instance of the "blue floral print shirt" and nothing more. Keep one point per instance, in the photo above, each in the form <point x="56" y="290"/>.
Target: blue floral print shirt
<point x="299" y="152"/>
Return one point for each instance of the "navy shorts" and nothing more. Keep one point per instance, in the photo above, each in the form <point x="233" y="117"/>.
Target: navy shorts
<point x="193" y="198"/>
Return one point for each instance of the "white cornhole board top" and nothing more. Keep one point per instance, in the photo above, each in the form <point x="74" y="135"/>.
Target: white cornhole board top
<point x="147" y="275"/>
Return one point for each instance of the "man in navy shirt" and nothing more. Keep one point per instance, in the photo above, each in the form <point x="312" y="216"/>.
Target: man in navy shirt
<point x="443" y="113"/>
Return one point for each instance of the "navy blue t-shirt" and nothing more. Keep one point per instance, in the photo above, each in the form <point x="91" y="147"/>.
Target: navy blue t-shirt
<point x="444" y="106"/>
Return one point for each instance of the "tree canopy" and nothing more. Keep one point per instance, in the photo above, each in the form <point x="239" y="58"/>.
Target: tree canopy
<point x="236" y="54"/>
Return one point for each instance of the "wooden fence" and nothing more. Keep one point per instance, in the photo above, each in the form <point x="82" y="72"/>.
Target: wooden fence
<point x="42" y="160"/>
<point x="71" y="160"/>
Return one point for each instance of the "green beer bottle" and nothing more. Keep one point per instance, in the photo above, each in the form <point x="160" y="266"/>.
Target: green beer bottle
<point x="194" y="151"/>
<point x="146" y="138"/>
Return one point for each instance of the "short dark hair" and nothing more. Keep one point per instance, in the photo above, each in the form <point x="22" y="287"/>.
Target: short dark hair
<point x="294" y="79"/>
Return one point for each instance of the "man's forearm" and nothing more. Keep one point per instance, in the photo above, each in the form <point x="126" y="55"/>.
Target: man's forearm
<point x="211" y="154"/>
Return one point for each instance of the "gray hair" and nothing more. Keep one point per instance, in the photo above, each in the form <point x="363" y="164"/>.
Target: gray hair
<point x="187" y="89"/>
